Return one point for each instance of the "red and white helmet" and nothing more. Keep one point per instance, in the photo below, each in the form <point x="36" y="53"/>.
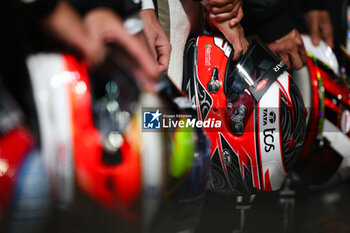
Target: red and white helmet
<point x="261" y="110"/>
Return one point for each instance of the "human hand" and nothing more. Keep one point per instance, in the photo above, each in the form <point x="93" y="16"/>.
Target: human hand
<point x="290" y="49"/>
<point x="223" y="10"/>
<point x="104" y="24"/>
<point x="320" y="27"/>
<point x="65" y="23"/>
<point x="157" y="39"/>
<point x="235" y="35"/>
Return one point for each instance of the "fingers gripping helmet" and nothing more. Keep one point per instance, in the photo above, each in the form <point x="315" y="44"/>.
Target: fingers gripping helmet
<point x="260" y="107"/>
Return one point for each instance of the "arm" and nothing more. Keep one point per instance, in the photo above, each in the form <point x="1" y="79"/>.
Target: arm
<point x="318" y="21"/>
<point x="107" y="27"/>
<point x="100" y="26"/>
<point x="67" y="25"/>
<point x="157" y="40"/>
<point x="223" y="10"/>
<point x="270" y="21"/>
<point x="225" y="15"/>
<point x="290" y="49"/>
<point x="267" y="18"/>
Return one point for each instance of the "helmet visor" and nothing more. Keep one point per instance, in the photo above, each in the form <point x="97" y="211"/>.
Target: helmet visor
<point x="255" y="71"/>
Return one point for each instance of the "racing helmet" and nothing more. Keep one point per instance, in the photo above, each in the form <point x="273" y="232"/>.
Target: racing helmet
<point x="25" y="190"/>
<point x="326" y="149"/>
<point x="105" y="144"/>
<point x="259" y="106"/>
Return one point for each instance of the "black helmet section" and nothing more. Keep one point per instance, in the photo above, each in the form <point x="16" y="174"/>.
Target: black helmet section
<point x="323" y="161"/>
<point x="257" y="64"/>
<point x="293" y="127"/>
<point x="115" y="96"/>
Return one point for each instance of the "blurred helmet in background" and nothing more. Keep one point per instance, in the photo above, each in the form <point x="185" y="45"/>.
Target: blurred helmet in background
<point x="95" y="141"/>
<point x="25" y="190"/>
<point x="326" y="152"/>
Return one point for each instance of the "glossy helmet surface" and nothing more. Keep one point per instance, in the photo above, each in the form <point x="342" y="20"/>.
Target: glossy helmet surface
<point x="327" y="98"/>
<point x="101" y="144"/>
<point x="261" y="110"/>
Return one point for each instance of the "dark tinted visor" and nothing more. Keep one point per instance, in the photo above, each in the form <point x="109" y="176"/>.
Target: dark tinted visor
<point x="255" y="71"/>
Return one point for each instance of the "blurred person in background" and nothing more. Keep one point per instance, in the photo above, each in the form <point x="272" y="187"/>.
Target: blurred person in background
<point x="157" y="40"/>
<point x="105" y="20"/>
<point x="338" y="11"/>
<point x="278" y="23"/>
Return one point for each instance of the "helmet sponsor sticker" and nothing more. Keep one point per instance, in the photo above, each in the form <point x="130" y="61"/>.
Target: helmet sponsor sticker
<point x="269" y="129"/>
<point x="207" y="54"/>
<point x="262" y="84"/>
